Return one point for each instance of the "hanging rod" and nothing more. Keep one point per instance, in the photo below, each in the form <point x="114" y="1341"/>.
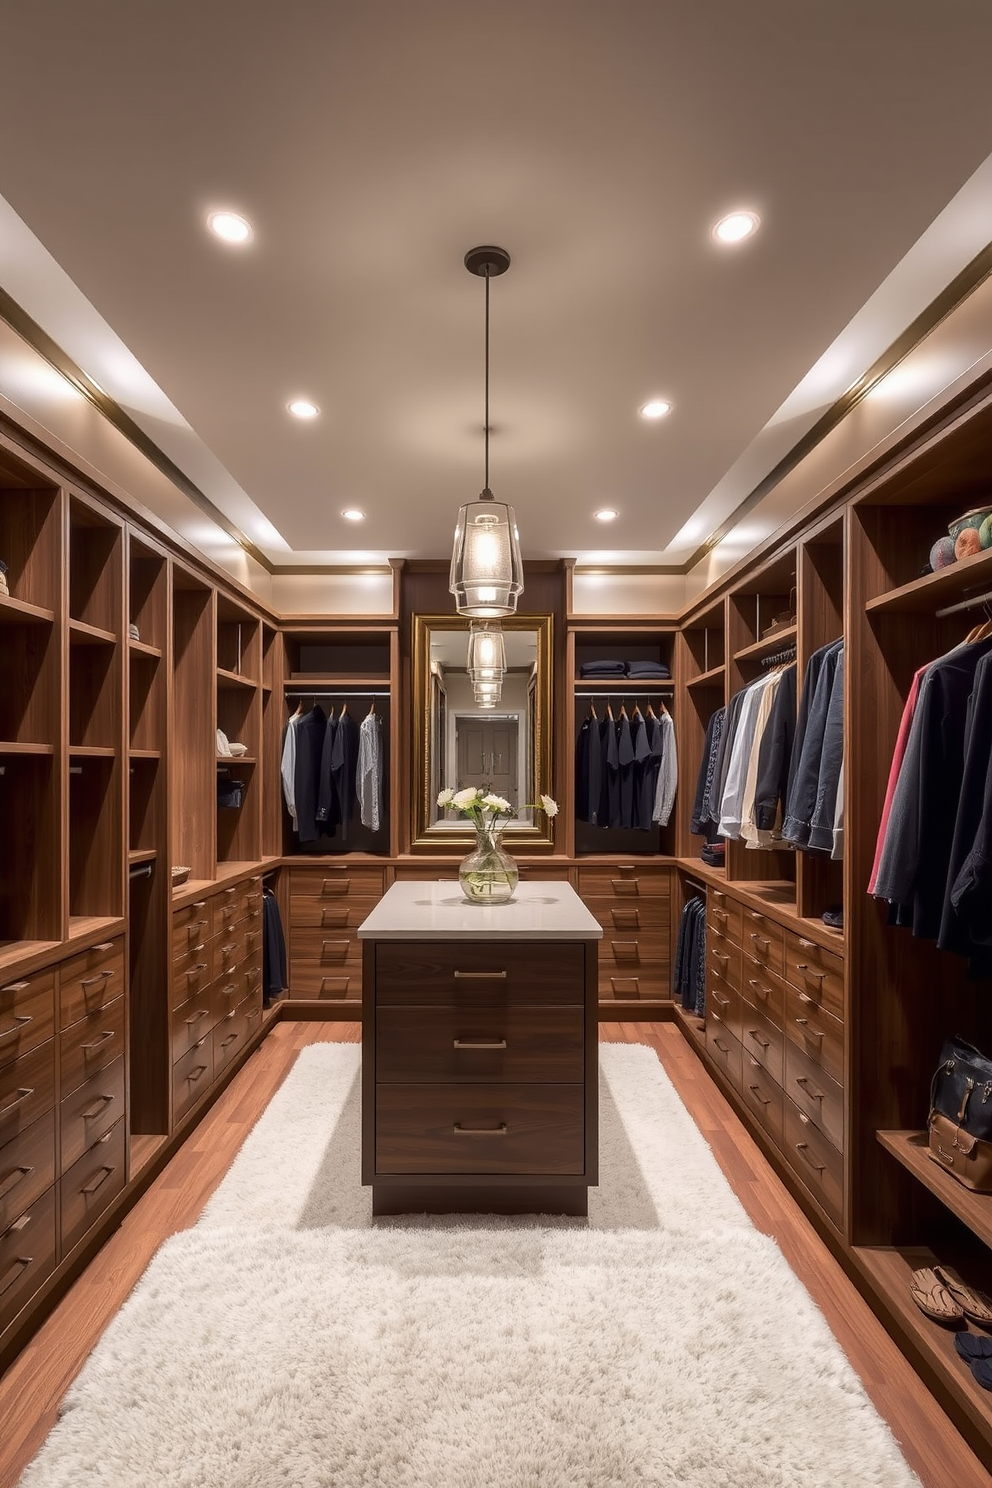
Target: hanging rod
<point x="337" y="692"/>
<point x="140" y="870"/>
<point x="964" y="604"/>
<point x="697" y="888"/>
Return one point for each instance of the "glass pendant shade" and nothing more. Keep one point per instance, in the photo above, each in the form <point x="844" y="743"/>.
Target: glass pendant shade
<point x="486" y="572"/>
<point x="486" y="652"/>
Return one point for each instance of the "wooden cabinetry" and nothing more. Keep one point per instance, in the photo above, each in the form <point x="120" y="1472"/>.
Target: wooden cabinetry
<point x="327" y="903"/>
<point x="480" y="1069"/>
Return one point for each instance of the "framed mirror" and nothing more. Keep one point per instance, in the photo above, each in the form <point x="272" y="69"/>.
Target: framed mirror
<point x="506" y="749"/>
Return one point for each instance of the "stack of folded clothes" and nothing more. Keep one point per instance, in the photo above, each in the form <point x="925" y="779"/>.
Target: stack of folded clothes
<point x="603" y="669"/>
<point x="715" y="854"/>
<point x="647" y="671"/>
<point x="640" y="671"/>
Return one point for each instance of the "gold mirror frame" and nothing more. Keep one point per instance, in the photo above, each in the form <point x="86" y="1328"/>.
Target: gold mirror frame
<point x="425" y="832"/>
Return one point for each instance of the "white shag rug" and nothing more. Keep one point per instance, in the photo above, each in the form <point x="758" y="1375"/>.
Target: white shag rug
<point x="288" y="1341"/>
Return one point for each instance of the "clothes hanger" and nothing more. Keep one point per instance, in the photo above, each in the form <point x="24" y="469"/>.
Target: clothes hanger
<point x="609" y="712"/>
<point x="650" y="711"/>
<point x="371" y="711"/>
<point x="592" y="709"/>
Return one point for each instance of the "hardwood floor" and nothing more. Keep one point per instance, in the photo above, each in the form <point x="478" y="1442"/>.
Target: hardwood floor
<point x="32" y="1388"/>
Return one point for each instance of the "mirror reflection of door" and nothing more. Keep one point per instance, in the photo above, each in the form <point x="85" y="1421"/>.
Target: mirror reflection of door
<point x="487" y="755"/>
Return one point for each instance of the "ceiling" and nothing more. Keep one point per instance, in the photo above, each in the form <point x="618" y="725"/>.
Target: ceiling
<point x="371" y="143"/>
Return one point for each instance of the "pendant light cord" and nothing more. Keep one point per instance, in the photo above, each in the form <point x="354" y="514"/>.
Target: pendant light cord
<point x="487" y="492"/>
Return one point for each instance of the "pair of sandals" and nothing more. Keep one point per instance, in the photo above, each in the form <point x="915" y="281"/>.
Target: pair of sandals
<point x="940" y="1293"/>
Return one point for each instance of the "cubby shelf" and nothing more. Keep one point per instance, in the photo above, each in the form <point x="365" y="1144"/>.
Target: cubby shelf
<point x="768" y="645"/>
<point x="81" y="634"/>
<point x="149" y="754"/>
<point x="226" y="760"/>
<point x="713" y="678"/>
<point x="234" y="679"/>
<point x="974" y="1209"/>
<point x="144" y="648"/>
<point x="109" y="925"/>
<point x="337" y="683"/>
<point x="19" y="612"/>
<point x="91" y="751"/>
<point x="923" y="594"/>
<point x="142" y="855"/>
<point x="11" y="748"/>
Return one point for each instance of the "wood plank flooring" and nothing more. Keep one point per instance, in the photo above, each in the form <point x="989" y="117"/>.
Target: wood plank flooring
<point x="33" y="1386"/>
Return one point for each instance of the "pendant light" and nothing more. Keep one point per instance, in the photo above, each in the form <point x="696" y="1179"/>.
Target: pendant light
<point x="486" y="651"/>
<point x="486" y="572"/>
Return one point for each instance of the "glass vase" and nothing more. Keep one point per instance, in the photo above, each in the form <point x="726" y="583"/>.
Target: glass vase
<point x="488" y="875"/>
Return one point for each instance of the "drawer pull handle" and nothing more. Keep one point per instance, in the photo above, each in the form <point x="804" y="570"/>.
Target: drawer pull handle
<point x="196" y="1074"/>
<point x="196" y="970"/>
<point x="99" y="1043"/>
<point x="717" y="956"/>
<point x="809" y="1089"/>
<point x="13" y="1178"/>
<point x="203" y="1013"/>
<point x="753" y="914"/>
<point x="480" y="1044"/>
<point x="105" y="945"/>
<point x="229" y="893"/>
<point x="94" y="981"/>
<point x="16" y="987"/>
<point x="10" y="1276"/>
<point x="226" y="950"/>
<point x="193" y="930"/>
<point x="229" y="1040"/>
<point x="760" y="988"/>
<point x="803" y="1149"/>
<point x="231" y="990"/>
<point x="762" y="1043"/>
<point x="17" y="1026"/>
<point x="723" y="1001"/>
<point x="719" y="914"/>
<point x="97" y="1106"/>
<point x="200" y="904"/>
<point x="807" y="1031"/>
<point x="22" y="1095"/>
<point x="760" y="940"/>
<point x="483" y="976"/>
<point x="98" y="1181"/>
<point x="480" y="1131"/>
<point x="808" y="973"/>
<point x="756" y="1092"/>
<point x="810" y="1001"/>
<point x="722" y="1047"/>
<point x="807" y="945"/>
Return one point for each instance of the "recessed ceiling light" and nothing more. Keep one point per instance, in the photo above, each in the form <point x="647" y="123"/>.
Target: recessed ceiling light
<point x="606" y="514"/>
<point x="229" y="226"/>
<point x="737" y="226"/>
<point x="656" y="409"/>
<point x="302" y="408"/>
<point x="352" y="514"/>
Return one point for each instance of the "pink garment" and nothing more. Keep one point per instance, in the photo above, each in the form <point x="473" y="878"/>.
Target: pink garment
<point x="905" y="723"/>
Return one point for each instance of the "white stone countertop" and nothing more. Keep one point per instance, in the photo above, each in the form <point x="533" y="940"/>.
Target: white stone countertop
<point x="439" y="911"/>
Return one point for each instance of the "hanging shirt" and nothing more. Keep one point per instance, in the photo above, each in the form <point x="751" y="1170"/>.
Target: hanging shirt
<point x="287" y="766"/>
<point x="344" y="758"/>
<point x="369" y="771"/>
<point x="668" y="772"/>
<point x="310" y="731"/>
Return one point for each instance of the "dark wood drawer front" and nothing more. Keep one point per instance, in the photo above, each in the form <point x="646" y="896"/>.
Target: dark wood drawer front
<point x="331" y="914"/>
<point x="479" y="1129"/>
<point x="228" y="1039"/>
<point x="820" y="1036"/>
<point x="337" y="881"/>
<point x="723" y="917"/>
<point x="191" y="977"/>
<point x="191" y="1022"/>
<point x="27" y="1168"/>
<point x="308" y="979"/>
<point x="623" y="987"/>
<point x="762" y="1095"/>
<point x="723" y="1006"/>
<point x="762" y="1041"/>
<point x="815" y="973"/>
<point x="815" y="1093"/>
<point x="91" y="1044"/>
<point x="27" y="1255"/>
<point x="227" y="909"/>
<point x="818" y="1163"/>
<point x="190" y="926"/>
<point x="724" y="961"/>
<point x="227" y="951"/>
<point x="192" y="1076"/>
<point x="90" y="1184"/>
<point x="445" y="1043"/>
<point x="626" y="917"/>
<point x="328" y="948"/>
<point x="647" y="951"/>
<point x="762" y="940"/>
<point x="27" y="1090"/>
<point x="91" y="1111"/>
<point x="479" y="973"/>
<point x="625" y="881"/>
<point x="27" y="1014"/>
<point x="724" y="1050"/>
<point x="545" y="872"/>
<point x="91" y="980"/>
<point x="763" y="989"/>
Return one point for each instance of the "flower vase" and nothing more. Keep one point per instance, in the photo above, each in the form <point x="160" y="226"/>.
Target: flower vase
<point x="488" y="875"/>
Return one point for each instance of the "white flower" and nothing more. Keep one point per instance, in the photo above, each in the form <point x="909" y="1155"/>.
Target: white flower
<point x="462" y="799"/>
<point x="496" y="803"/>
<point x="446" y="796"/>
<point x="550" y="806"/>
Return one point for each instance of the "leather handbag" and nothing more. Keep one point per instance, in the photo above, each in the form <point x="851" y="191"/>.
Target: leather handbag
<point x="960" y="1123"/>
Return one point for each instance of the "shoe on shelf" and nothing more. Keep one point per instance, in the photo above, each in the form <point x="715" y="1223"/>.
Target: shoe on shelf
<point x="933" y="1298"/>
<point x="973" y="1346"/>
<point x="975" y="1305"/>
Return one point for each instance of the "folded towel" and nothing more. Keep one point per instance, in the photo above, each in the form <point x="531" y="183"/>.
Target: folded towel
<point x="645" y="669"/>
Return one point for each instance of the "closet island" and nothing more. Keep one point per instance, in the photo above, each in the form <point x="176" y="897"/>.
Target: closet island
<point x="479" y="1035"/>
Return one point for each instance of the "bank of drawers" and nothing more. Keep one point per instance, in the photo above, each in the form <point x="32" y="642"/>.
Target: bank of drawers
<point x="327" y="904"/>
<point x="216" y="992"/>
<point x="62" y="1140"/>
<point x="632" y="903"/>
<point x="774" y="1029"/>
